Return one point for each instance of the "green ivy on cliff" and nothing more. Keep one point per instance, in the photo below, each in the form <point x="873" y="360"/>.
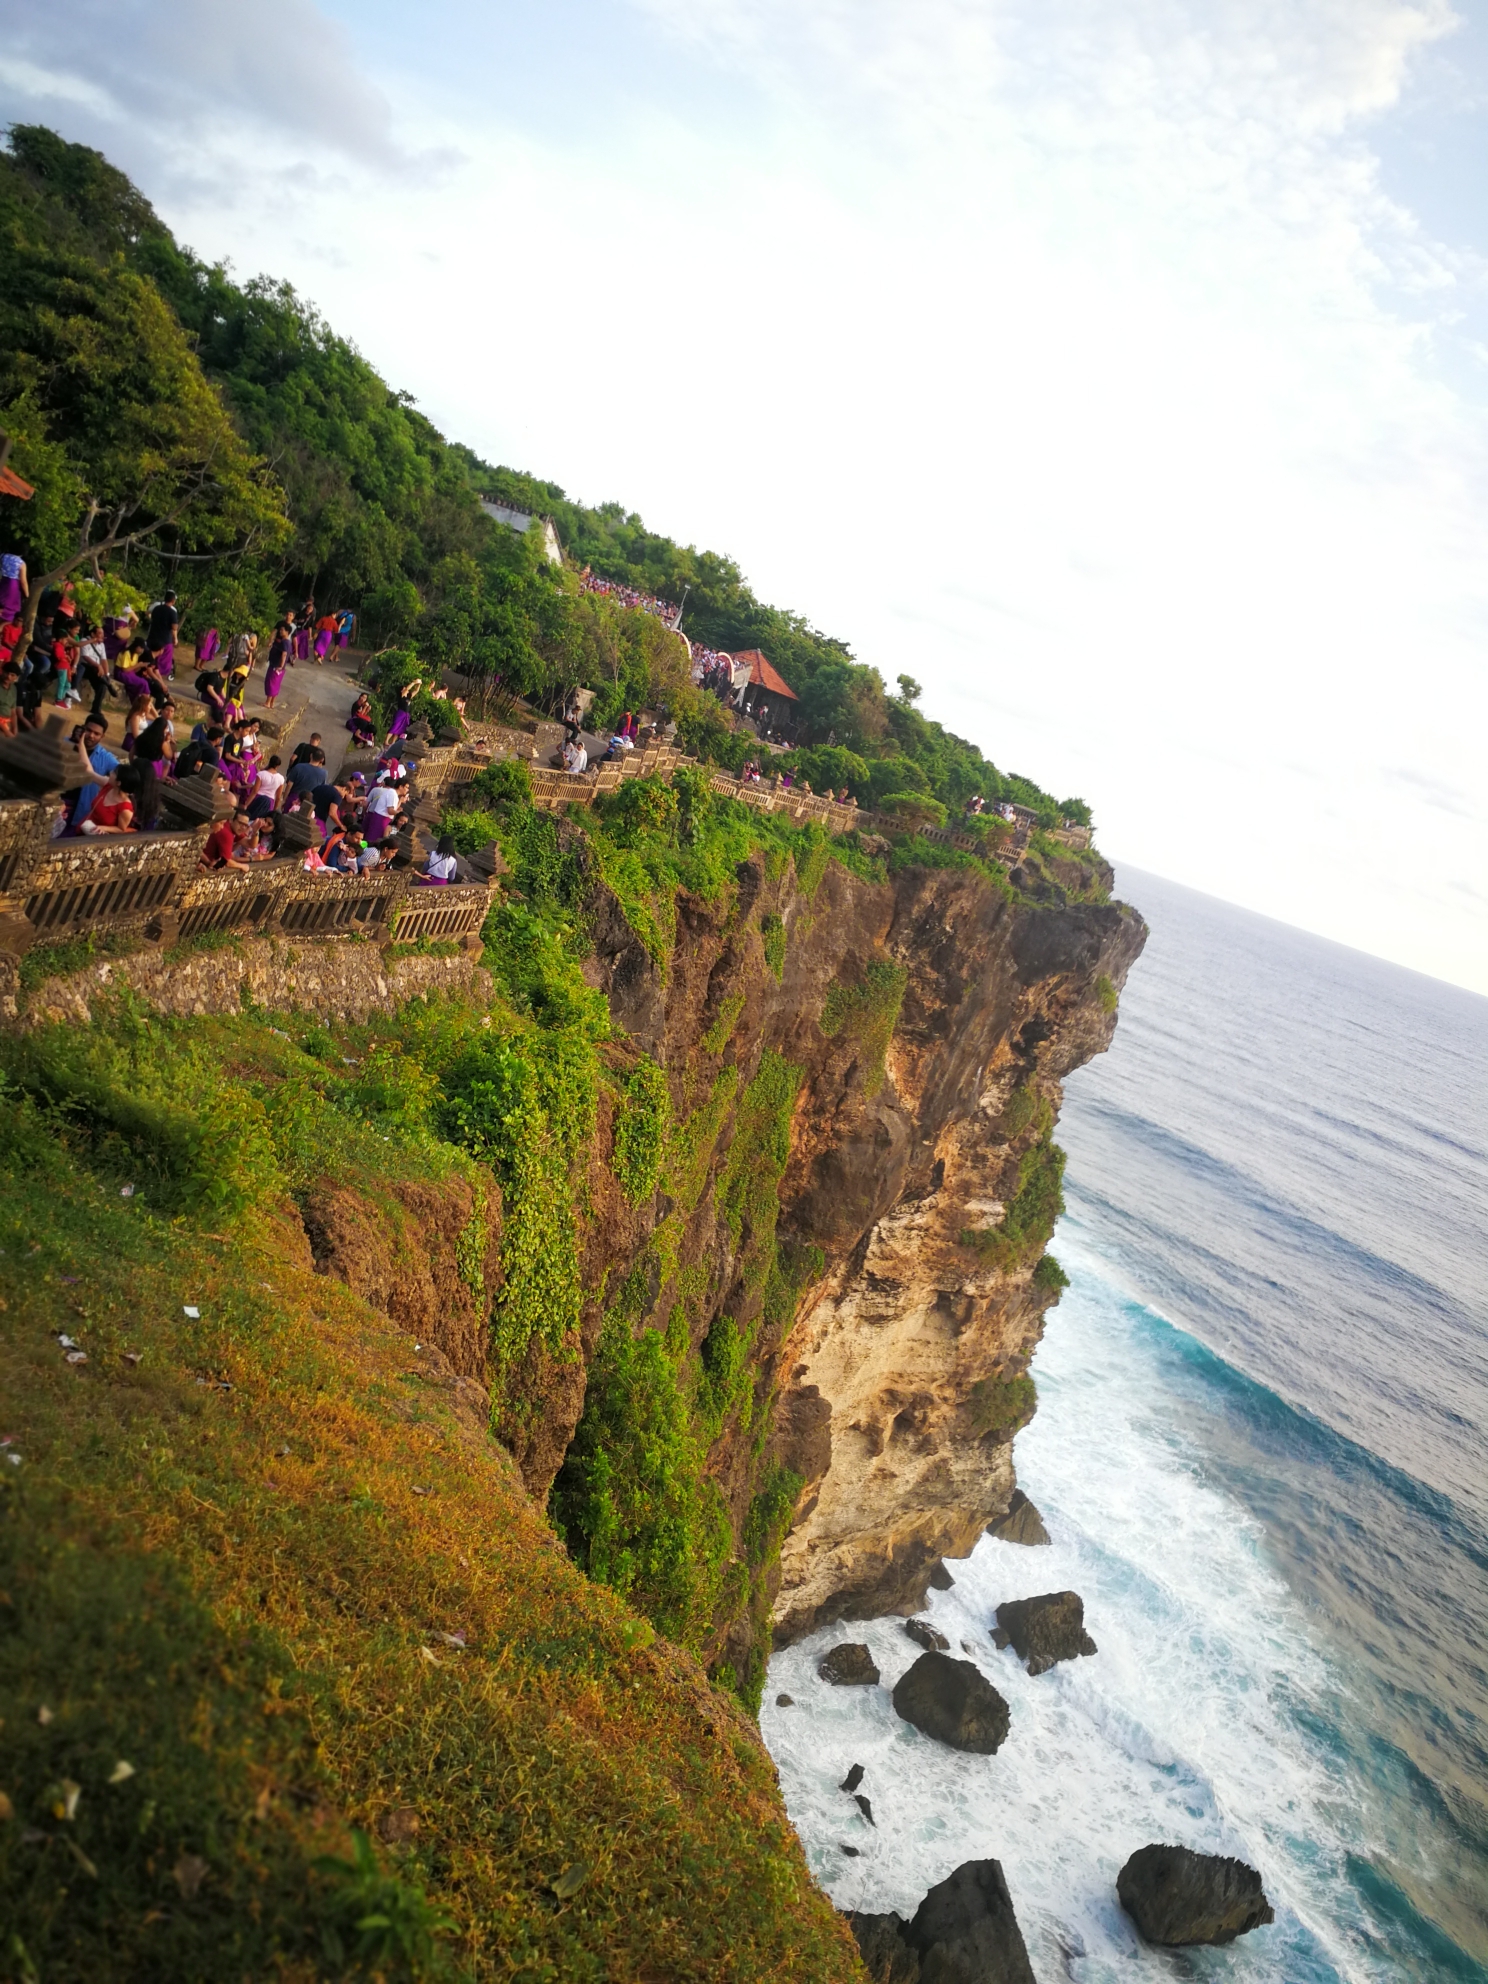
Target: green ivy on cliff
<point x="867" y="1014"/>
<point x="1032" y="1213"/>
<point x="643" y="1119"/>
<point x="633" y="1500"/>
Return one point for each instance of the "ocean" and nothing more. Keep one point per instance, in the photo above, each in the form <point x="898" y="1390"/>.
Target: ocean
<point x="1259" y="1451"/>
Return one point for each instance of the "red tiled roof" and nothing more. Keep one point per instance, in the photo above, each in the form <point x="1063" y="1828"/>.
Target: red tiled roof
<point x="12" y="485"/>
<point x="764" y="675"/>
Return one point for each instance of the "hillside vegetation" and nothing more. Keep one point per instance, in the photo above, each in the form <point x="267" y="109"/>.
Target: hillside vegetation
<point x="241" y="448"/>
<point x="296" y="1681"/>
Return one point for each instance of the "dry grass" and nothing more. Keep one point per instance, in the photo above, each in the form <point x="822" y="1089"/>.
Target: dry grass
<point x="231" y="1566"/>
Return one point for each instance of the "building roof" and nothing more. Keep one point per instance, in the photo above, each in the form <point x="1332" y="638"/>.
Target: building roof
<point x="12" y="485"/>
<point x="764" y="675"/>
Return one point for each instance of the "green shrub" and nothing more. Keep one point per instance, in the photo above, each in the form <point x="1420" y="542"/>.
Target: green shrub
<point x="525" y="1105"/>
<point x="721" y="1032"/>
<point x="812" y="851"/>
<point x="507" y="782"/>
<point x="1049" y="1274"/>
<point x="772" y="934"/>
<point x="1106" y="993"/>
<point x="470" y="828"/>
<point x="1001" y="1406"/>
<point x="1032" y="1213"/>
<point x="867" y="1015"/>
<point x="914" y="808"/>
<point x="375" y="1920"/>
<point x="643" y="1121"/>
<point x="632" y="1500"/>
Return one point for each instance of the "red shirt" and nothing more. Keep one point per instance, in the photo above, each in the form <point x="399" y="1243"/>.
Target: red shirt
<point x="221" y="844"/>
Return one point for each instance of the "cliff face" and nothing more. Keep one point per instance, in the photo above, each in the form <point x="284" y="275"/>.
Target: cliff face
<point x="929" y="1022"/>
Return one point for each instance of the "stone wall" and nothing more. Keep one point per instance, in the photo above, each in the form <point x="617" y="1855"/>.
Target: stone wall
<point x="343" y="981"/>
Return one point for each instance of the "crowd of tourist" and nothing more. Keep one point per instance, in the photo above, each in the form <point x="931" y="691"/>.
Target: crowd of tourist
<point x="128" y="656"/>
<point x="130" y="750"/>
<point x="644" y="602"/>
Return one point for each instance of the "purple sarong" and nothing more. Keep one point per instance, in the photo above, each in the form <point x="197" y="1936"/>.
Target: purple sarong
<point x="400" y="726"/>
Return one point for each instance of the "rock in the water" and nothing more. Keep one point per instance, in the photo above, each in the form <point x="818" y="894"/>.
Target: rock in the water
<point x="853" y="1779"/>
<point x="940" y="1577"/>
<point x="963" y="1932"/>
<point x="887" y="1957"/>
<point x="785" y="1701"/>
<point x="1045" y="1630"/>
<point x="954" y="1702"/>
<point x="848" y="1666"/>
<point x="864" y="1807"/>
<point x="1176" y="1896"/>
<point x="926" y="1636"/>
<point x="1021" y="1524"/>
<point x="852" y="1852"/>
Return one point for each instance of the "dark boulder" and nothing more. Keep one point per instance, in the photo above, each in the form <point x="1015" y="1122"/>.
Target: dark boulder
<point x="954" y="1702"/>
<point x="940" y="1577"/>
<point x="1176" y="1896"/>
<point x="864" y="1807"/>
<point x="853" y="1779"/>
<point x="785" y="1701"/>
<point x="887" y="1958"/>
<point x="849" y="1666"/>
<point x="1043" y="1631"/>
<point x="926" y="1636"/>
<point x="963" y="1932"/>
<point x="1021" y="1524"/>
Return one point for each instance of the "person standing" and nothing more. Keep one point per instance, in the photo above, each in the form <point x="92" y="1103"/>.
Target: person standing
<point x="160" y="634"/>
<point x="15" y="586"/>
<point x="280" y="658"/>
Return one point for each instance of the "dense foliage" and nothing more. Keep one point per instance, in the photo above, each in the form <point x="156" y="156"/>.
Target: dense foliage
<point x="253" y="443"/>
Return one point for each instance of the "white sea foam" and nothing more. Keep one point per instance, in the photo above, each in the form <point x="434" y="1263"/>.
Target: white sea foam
<point x="1193" y="1723"/>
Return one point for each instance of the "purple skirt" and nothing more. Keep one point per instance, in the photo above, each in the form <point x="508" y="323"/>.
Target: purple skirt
<point x="273" y="683"/>
<point x="302" y="644"/>
<point x="400" y="726"/>
<point x="10" y="599"/>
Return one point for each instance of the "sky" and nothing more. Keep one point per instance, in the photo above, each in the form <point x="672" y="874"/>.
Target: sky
<point x="1117" y="368"/>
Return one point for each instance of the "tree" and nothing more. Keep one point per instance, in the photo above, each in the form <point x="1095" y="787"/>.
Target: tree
<point x="110" y="408"/>
<point x="909" y="690"/>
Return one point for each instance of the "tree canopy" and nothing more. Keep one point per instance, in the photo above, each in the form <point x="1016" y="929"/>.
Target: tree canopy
<point x="223" y="428"/>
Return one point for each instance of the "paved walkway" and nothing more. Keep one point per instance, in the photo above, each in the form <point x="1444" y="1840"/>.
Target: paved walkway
<point x="329" y="692"/>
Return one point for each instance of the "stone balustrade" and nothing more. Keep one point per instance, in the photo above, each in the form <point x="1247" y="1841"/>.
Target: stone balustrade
<point x="152" y="885"/>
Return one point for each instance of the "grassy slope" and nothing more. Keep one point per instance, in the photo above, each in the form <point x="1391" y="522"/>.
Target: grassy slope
<point x="246" y="1627"/>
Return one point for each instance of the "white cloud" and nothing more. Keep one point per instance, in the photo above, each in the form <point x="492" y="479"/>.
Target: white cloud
<point x="1069" y="357"/>
<point x="177" y="73"/>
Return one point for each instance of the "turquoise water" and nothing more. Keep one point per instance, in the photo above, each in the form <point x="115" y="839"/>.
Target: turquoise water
<point x="1259" y="1450"/>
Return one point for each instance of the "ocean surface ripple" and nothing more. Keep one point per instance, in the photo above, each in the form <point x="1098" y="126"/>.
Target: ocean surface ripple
<point x="1260" y="1453"/>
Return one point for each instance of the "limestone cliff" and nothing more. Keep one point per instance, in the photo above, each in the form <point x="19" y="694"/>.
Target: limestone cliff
<point x="931" y="1019"/>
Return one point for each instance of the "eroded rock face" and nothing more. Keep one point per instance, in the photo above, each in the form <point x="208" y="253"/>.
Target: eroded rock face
<point x="924" y="1634"/>
<point x="963" y="1932"/>
<point x="893" y="1386"/>
<point x="914" y="1338"/>
<point x="1045" y="1630"/>
<point x="1177" y="1897"/>
<point x="953" y="1702"/>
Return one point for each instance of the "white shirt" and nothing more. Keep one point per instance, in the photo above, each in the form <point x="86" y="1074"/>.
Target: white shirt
<point x="269" y="784"/>
<point x="382" y="801"/>
<point x="442" y="867"/>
